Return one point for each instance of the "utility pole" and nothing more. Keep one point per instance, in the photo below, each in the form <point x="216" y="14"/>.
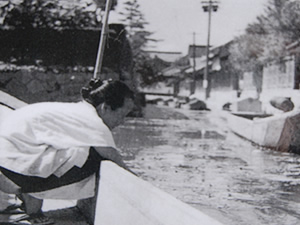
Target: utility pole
<point x="193" y="83"/>
<point x="208" y="6"/>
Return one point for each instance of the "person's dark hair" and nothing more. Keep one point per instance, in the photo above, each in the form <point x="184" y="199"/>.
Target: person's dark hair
<point x="110" y="92"/>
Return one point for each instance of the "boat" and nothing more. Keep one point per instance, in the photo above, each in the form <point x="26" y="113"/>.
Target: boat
<point x="121" y="197"/>
<point x="125" y="199"/>
<point x="280" y="132"/>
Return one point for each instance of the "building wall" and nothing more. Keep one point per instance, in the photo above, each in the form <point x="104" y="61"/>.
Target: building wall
<point x="247" y="83"/>
<point x="280" y="75"/>
<point x="225" y="78"/>
<point x="31" y="85"/>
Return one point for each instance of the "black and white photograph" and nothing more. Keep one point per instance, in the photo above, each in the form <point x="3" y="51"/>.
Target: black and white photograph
<point x="149" y="112"/>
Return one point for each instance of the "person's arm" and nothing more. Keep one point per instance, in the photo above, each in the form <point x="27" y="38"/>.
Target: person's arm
<point x="111" y="154"/>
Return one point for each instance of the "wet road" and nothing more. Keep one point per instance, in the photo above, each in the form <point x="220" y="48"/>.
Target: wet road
<point x="193" y="156"/>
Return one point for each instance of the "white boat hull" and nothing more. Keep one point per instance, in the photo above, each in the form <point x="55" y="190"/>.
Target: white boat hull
<point x="126" y="199"/>
<point x="266" y="132"/>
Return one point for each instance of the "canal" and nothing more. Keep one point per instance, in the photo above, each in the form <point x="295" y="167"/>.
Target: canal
<point x="193" y="156"/>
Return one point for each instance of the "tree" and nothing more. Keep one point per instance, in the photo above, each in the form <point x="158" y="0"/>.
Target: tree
<point x="267" y="38"/>
<point x="281" y="24"/>
<point x="135" y="24"/>
<point x="138" y="37"/>
<point x="53" y="14"/>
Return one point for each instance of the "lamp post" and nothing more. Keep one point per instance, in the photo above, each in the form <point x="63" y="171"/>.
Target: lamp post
<point x="208" y="6"/>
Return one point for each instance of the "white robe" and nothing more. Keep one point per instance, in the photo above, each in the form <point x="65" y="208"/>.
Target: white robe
<point x="50" y="138"/>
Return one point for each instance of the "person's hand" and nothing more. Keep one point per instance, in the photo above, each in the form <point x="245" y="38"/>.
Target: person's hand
<point x="109" y="153"/>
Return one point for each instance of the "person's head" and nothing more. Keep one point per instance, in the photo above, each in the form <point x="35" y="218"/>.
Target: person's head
<point x="113" y="100"/>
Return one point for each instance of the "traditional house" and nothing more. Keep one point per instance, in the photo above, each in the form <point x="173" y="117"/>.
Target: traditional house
<point x="193" y="75"/>
<point x="220" y="75"/>
<point x="197" y="60"/>
<point x="186" y="75"/>
<point x="283" y="78"/>
<point x="169" y="65"/>
<point x="275" y="79"/>
<point x="286" y="73"/>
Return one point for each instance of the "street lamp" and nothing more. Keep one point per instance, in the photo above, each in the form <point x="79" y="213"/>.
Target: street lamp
<point x="208" y="6"/>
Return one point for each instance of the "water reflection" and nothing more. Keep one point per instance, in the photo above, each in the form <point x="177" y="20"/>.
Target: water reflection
<point x="200" y="162"/>
<point x="205" y="134"/>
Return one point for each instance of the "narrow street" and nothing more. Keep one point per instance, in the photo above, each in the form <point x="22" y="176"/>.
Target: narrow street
<point x="193" y="156"/>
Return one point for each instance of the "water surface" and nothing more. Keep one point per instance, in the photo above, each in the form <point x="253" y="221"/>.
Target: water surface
<point x="193" y="156"/>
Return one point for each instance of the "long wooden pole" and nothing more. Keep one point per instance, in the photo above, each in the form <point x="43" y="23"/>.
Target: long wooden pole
<point x="103" y="37"/>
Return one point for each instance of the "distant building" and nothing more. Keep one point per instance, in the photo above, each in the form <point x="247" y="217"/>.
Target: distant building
<point x="222" y="74"/>
<point x="280" y="75"/>
<point x="186" y="73"/>
<point x="277" y="79"/>
<point x="283" y="75"/>
<point x="197" y="59"/>
<point x="165" y="56"/>
<point x="289" y="67"/>
<point x="196" y="51"/>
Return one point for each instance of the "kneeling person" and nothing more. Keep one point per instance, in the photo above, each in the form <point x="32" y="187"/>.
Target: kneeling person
<point x="53" y="149"/>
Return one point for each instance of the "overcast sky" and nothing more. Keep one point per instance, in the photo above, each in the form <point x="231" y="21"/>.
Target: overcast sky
<point x="175" y="21"/>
